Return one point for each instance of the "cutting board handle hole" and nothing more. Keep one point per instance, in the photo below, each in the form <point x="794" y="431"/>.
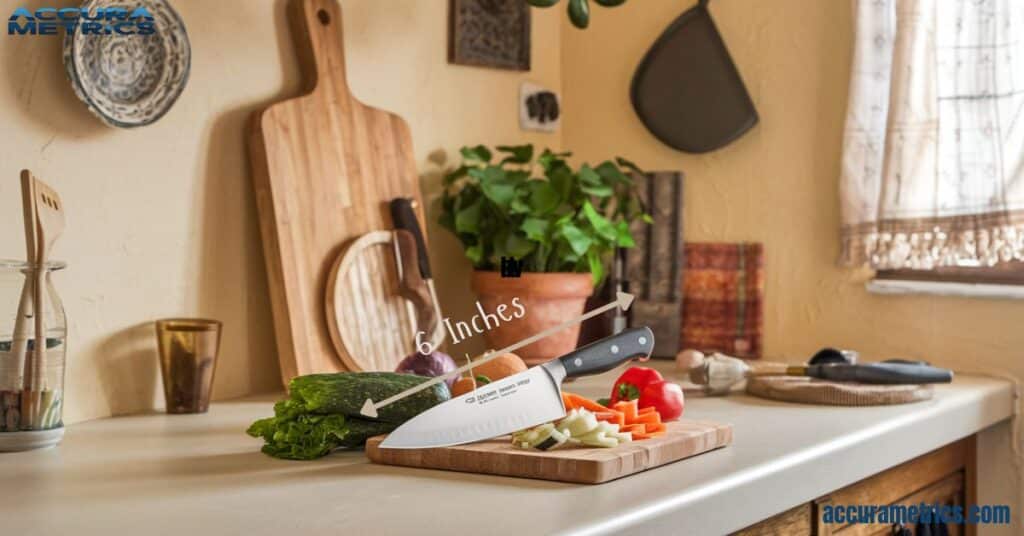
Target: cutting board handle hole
<point x="324" y="16"/>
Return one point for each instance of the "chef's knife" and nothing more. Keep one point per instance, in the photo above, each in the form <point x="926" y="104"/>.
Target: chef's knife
<point x="518" y="401"/>
<point x="404" y="217"/>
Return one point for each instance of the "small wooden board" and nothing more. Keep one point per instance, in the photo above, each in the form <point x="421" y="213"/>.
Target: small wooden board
<point x="813" y="391"/>
<point x="582" y="465"/>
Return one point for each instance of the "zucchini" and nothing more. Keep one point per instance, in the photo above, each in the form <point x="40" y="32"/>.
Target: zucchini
<point x="543" y="437"/>
<point x="344" y="393"/>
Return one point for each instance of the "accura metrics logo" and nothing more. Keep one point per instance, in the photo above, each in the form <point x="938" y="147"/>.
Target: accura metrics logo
<point x="99" y="21"/>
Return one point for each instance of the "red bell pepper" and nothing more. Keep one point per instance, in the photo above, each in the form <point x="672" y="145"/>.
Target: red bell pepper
<point x="632" y="383"/>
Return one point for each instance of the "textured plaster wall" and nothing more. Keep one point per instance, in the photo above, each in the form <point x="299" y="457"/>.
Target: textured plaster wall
<point x="162" y="220"/>
<point x="779" y="184"/>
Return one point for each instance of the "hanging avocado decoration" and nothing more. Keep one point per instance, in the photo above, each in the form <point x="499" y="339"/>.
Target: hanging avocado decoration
<point x="579" y="10"/>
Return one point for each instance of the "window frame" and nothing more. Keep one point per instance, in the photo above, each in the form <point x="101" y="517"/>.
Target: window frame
<point x="1009" y="273"/>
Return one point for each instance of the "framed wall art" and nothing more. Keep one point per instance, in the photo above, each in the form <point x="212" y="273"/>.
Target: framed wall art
<point x="490" y="33"/>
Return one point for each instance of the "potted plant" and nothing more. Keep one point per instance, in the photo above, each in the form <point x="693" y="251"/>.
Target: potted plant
<point x="557" y="224"/>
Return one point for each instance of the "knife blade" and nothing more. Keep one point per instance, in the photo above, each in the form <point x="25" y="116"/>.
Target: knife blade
<point x="518" y="401"/>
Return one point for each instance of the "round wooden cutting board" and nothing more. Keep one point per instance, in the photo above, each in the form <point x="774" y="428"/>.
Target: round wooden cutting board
<point x="814" y="391"/>
<point x="371" y="324"/>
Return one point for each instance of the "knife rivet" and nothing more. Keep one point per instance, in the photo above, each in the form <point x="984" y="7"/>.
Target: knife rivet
<point x="578" y="362"/>
<point x="615" y="349"/>
<point x="643" y="340"/>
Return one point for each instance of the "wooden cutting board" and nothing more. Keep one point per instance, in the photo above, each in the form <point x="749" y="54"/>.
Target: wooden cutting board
<point x="814" y="391"/>
<point x="325" y="167"/>
<point x="682" y="439"/>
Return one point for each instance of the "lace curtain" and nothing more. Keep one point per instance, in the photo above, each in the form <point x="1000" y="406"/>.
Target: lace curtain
<point x="933" y="155"/>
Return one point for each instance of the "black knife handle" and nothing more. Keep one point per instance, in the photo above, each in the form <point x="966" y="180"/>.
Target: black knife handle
<point x="881" y="373"/>
<point x="609" y="352"/>
<point x="404" y="217"/>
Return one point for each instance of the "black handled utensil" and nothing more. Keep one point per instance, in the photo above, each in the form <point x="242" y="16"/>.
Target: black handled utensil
<point x="404" y="218"/>
<point x="878" y="373"/>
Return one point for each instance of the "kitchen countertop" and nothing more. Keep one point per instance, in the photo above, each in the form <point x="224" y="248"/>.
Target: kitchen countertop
<point x="199" y="474"/>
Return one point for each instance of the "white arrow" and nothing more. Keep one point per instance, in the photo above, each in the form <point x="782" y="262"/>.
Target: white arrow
<point x="622" y="300"/>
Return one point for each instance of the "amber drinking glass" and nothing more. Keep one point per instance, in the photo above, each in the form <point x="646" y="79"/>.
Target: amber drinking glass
<point x="188" y="358"/>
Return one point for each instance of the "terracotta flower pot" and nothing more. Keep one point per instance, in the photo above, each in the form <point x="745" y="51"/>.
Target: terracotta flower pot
<point x="549" y="299"/>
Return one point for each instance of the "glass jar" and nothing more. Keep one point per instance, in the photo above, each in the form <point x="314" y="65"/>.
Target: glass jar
<point x="31" y="383"/>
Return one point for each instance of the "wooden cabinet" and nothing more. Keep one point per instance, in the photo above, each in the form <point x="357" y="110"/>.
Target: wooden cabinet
<point x="944" y="476"/>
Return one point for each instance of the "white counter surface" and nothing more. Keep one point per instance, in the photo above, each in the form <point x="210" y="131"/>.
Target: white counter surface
<point x="200" y="474"/>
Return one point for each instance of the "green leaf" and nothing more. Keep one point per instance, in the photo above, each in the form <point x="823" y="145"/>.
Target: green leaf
<point x="518" y="206"/>
<point x="475" y="253"/>
<point x="625" y="238"/>
<point x="500" y="193"/>
<point x="487" y="174"/>
<point x="536" y="229"/>
<point x="467" y="220"/>
<point x="612" y="174"/>
<point x="455" y="175"/>
<point x="549" y="160"/>
<point x="476" y="154"/>
<point x="518" y="177"/>
<point x="600" y="223"/>
<point x="561" y="180"/>
<point x="596" y="267"/>
<point x="647" y="218"/>
<point x="543" y="197"/>
<point x="518" y="247"/>
<point x="578" y="240"/>
<point x="629" y="165"/>
<point x="518" y="154"/>
<point x="600" y="190"/>
<point x="589" y="176"/>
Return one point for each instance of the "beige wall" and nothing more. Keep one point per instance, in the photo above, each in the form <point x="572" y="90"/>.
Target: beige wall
<point x="778" y="184"/>
<point x="161" y="219"/>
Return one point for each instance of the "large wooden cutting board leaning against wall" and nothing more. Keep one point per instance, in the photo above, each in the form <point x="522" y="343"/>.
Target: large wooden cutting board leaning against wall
<point x="325" y="167"/>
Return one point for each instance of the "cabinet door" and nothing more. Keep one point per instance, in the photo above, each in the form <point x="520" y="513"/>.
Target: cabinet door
<point x="936" y="477"/>
<point x="795" y="522"/>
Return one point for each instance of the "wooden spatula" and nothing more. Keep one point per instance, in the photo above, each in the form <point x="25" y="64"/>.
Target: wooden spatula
<point x="49" y="227"/>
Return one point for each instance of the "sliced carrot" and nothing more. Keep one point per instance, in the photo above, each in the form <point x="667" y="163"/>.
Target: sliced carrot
<point x="586" y="403"/>
<point x="654" y="428"/>
<point x="648" y="418"/>
<point x="613" y="417"/>
<point x="568" y="401"/>
<point x="628" y="409"/>
<point x="633" y="429"/>
<point x="648" y="409"/>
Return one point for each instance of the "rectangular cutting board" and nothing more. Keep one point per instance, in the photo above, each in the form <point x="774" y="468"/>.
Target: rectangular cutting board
<point x="325" y="167"/>
<point x="583" y="465"/>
